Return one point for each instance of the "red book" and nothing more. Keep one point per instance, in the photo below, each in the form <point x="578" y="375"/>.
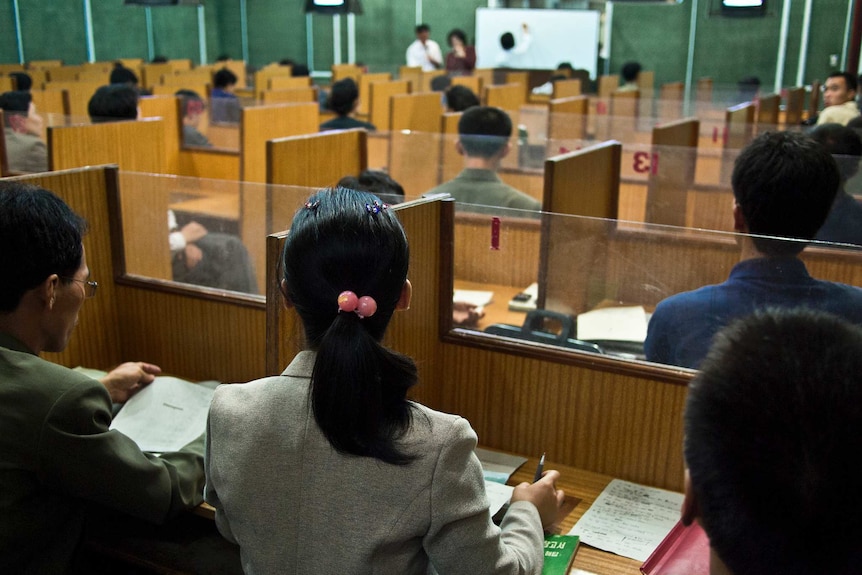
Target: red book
<point x="684" y="550"/>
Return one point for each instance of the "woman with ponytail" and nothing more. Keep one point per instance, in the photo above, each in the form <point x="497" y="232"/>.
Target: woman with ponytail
<point x="328" y="468"/>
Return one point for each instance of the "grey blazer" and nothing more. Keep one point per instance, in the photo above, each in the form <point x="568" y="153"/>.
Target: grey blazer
<point x="295" y="505"/>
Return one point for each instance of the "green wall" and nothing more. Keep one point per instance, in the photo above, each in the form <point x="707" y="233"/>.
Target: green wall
<point x="726" y="48"/>
<point x="655" y="34"/>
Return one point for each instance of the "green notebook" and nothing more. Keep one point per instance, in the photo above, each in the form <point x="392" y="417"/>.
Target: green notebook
<point x="559" y="553"/>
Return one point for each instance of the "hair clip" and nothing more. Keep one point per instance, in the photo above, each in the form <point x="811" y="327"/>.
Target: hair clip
<point x="376" y="207"/>
<point x="364" y="306"/>
<point x="312" y="205"/>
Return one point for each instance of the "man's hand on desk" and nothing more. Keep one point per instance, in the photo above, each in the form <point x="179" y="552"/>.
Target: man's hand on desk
<point x="129" y="378"/>
<point x="466" y="314"/>
<point x="543" y="494"/>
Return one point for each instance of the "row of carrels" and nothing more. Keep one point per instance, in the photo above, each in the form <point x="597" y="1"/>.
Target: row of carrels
<point x="595" y="412"/>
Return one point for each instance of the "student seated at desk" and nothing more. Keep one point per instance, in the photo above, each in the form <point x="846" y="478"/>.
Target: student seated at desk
<point x="328" y="468"/>
<point x="784" y="185"/>
<point x="25" y="150"/>
<point x="772" y="437"/>
<point x="60" y="464"/>
<point x="483" y="140"/>
<point x="343" y="100"/>
<point x="193" y="107"/>
<point x="198" y="256"/>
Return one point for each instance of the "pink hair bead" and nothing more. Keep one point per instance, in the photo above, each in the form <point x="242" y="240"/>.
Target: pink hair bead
<point x="367" y="306"/>
<point x="347" y="301"/>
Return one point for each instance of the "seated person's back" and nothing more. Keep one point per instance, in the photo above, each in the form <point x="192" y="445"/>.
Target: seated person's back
<point x="844" y="223"/>
<point x="25" y="150"/>
<point x="343" y="100"/>
<point x="483" y="140"/>
<point x="784" y="185"/>
<point x="334" y="443"/>
<point x="59" y="461"/>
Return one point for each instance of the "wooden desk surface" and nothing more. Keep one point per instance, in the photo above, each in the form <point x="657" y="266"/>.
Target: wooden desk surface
<point x="498" y="310"/>
<point x="224" y="206"/>
<point x="583" y="485"/>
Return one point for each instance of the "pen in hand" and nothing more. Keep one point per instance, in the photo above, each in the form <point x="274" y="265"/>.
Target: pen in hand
<point x="539" y="469"/>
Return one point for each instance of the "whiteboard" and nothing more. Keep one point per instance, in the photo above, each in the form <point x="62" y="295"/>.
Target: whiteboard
<point x="557" y="36"/>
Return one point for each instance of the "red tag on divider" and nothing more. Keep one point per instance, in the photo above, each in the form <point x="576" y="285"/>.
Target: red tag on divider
<point x="495" y="233"/>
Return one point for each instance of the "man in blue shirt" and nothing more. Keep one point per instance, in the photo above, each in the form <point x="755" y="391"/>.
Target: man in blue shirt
<point x="783" y="185"/>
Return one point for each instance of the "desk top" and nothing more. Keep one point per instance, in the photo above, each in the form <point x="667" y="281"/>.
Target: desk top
<point x="583" y="485"/>
<point x="498" y="310"/>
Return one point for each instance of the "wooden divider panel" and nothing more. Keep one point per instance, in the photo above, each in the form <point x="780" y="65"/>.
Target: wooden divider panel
<point x="767" y="112"/>
<point x="342" y="71"/>
<point x="583" y="183"/>
<point x="293" y="95"/>
<point x="380" y="101"/>
<point x="509" y="97"/>
<point x="79" y="95"/>
<point x="795" y="105"/>
<point x="567" y="89"/>
<point x="474" y="83"/>
<point x="287" y="82"/>
<point x="169" y="109"/>
<point x="451" y="162"/>
<point x="262" y="123"/>
<point x="608" y="85"/>
<point x="151" y="74"/>
<point x="416" y="112"/>
<point x="136" y="146"/>
<point x="670" y="166"/>
<point x="51" y="101"/>
<point x="90" y="192"/>
<point x="738" y="131"/>
<point x="567" y="119"/>
<point x="364" y="83"/>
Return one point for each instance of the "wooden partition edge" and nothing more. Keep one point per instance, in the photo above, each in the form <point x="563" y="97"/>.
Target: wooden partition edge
<point x="199" y="292"/>
<point x="273" y="294"/>
<point x="553" y="354"/>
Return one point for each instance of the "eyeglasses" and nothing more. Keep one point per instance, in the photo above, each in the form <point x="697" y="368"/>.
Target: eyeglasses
<point x="90" y="287"/>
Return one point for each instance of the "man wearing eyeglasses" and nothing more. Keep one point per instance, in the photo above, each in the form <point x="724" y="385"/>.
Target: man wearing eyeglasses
<point x="59" y="461"/>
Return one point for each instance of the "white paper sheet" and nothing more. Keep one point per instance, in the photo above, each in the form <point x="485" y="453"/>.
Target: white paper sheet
<point x="498" y="495"/>
<point x="629" y="519"/>
<point x="165" y="415"/>
<point x="613" y="324"/>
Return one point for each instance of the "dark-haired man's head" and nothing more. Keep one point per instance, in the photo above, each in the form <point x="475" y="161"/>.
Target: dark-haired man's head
<point x="784" y="184"/>
<point x="299" y="70"/>
<point x="19" y="112"/>
<point x="843" y="143"/>
<point x="483" y="132"/>
<point x="112" y="103"/>
<point x="630" y="71"/>
<point x="423" y="32"/>
<point x="507" y="41"/>
<point x="840" y="87"/>
<point x="39" y="236"/>
<point x="23" y="81"/>
<point x="459" y="98"/>
<point x="440" y="83"/>
<point x="343" y="97"/>
<point x="159" y="59"/>
<point x="773" y="423"/>
<point x="224" y="79"/>
<point x="377" y="183"/>
<point x="122" y="75"/>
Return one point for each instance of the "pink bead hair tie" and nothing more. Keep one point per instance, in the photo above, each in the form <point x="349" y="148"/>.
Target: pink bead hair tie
<point x="364" y="306"/>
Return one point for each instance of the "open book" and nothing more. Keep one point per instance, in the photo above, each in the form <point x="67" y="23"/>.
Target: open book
<point x="165" y="415"/>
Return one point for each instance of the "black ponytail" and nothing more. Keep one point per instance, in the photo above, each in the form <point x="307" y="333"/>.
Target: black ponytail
<point x="345" y="240"/>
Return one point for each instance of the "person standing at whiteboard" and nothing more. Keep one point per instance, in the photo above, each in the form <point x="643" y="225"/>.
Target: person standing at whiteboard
<point x="423" y="51"/>
<point x="510" y="50"/>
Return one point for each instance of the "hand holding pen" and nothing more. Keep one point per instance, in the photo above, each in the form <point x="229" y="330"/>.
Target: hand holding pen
<point x="542" y="493"/>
